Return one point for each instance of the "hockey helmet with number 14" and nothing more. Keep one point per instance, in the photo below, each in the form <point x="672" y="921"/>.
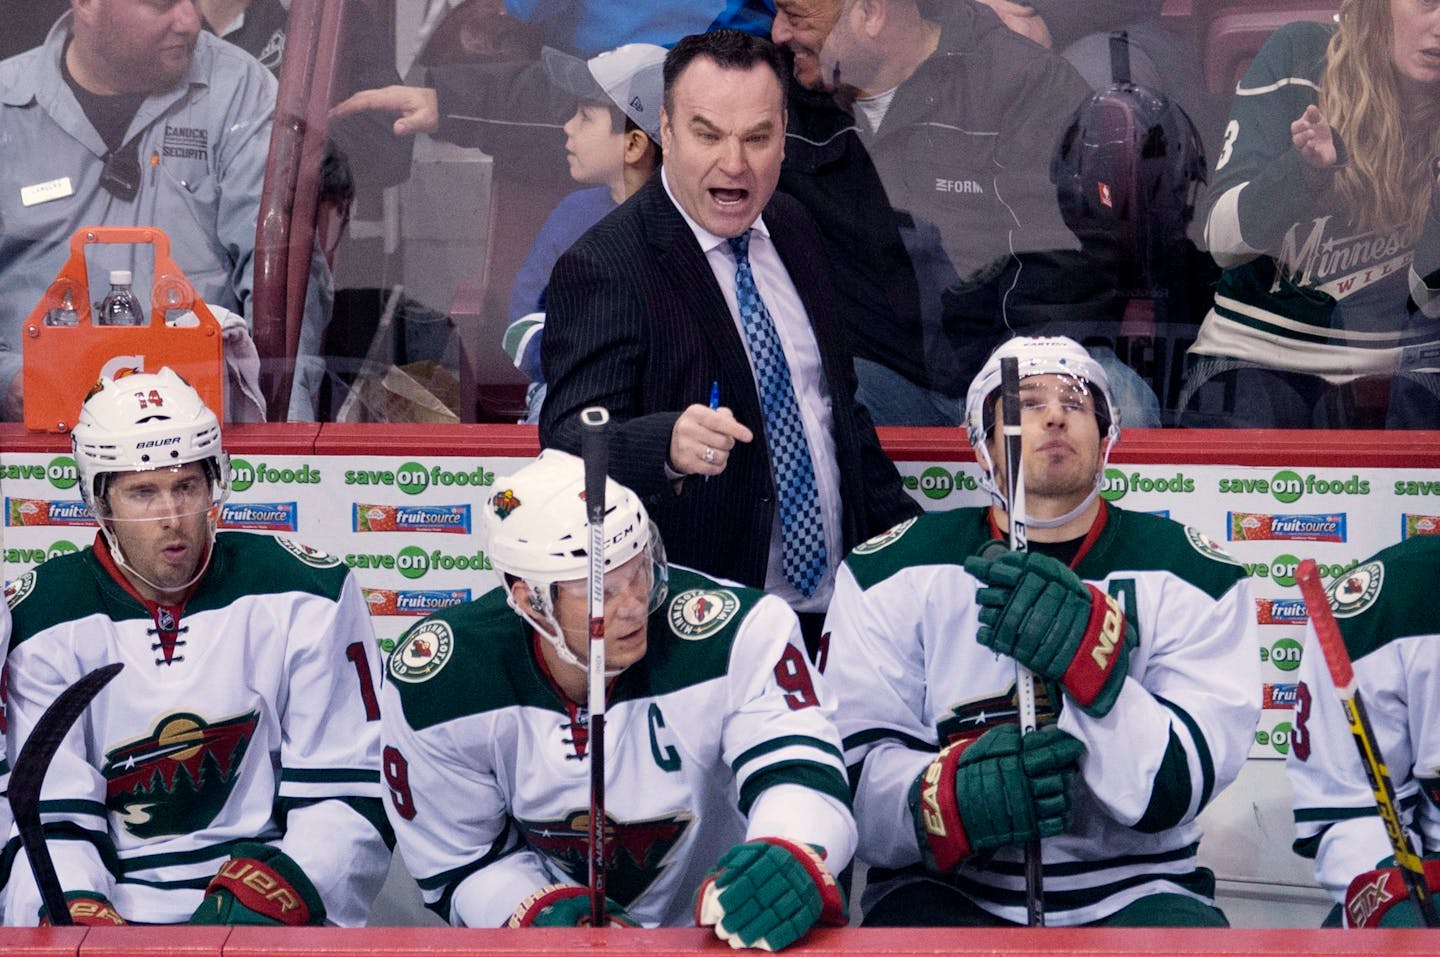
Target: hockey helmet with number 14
<point x="139" y="422"/>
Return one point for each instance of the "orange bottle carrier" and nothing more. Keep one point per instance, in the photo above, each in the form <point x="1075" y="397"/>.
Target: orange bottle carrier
<point x="61" y="363"/>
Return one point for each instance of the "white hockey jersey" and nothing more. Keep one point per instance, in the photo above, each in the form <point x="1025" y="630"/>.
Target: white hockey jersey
<point x="1389" y="619"/>
<point x="251" y="714"/>
<point x="5" y="819"/>
<point x="909" y="677"/>
<point x="720" y="722"/>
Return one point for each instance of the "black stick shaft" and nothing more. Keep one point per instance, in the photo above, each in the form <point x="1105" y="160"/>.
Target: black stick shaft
<point x="1024" y="680"/>
<point x="595" y="453"/>
<point x="28" y="776"/>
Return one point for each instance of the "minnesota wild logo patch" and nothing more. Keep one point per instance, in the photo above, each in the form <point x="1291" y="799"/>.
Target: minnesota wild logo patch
<point x="888" y="537"/>
<point x="701" y="612"/>
<point x="1356" y="590"/>
<point x="1207" y="546"/>
<point x="423" y="652"/>
<point x="308" y="555"/>
<point x="20" y="589"/>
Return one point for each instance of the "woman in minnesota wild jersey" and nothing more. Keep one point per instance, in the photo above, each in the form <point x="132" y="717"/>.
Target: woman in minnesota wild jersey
<point x="723" y="778"/>
<point x="1143" y="630"/>
<point x="1322" y="212"/>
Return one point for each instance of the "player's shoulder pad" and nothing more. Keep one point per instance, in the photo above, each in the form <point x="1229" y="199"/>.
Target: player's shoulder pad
<point x="60" y="589"/>
<point x="466" y="660"/>
<point x="1388" y="596"/>
<point x="251" y="563"/>
<point x="1138" y="541"/>
<point x="693" y="631"/>
<point x="932" y="538"/>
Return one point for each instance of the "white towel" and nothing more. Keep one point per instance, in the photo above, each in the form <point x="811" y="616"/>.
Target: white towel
<point x="244" y="402"/>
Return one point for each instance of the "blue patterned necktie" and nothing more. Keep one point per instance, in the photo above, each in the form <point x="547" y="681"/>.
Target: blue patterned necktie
<point x="801" y="529"/>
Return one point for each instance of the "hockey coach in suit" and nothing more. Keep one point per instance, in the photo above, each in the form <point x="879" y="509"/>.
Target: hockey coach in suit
<point x="653" y="314"/>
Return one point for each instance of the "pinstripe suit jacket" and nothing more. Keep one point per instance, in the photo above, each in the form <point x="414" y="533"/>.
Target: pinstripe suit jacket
<point x="636" y="322"/>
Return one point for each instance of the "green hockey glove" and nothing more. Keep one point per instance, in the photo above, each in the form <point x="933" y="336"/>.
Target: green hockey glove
<point x="87" y="909"/>
<point x="993" y="791"/>
<point x="564" y="905"/>
<point x="260" y="884"/>
<point x="1379" y="898"/>
<point x="767" y="893"/>
<point x="1040" y="613"/>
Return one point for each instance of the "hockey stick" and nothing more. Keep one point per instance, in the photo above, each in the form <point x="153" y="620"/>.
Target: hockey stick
<point x="595" y="453"/>
<point x="1024" y="680"/>
<point x="1342" y="674"/>
<point x="29" y="774"/>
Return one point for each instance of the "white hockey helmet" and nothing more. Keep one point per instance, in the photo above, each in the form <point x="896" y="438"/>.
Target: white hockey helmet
<point x="142" y="421"/>
<point x="536" y="530"/>
<point x="1039" y="355"/>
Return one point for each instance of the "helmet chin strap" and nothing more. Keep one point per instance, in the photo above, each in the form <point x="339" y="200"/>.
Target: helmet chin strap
<point x="549" y="629"/>
<point x="117" y="553"/>
<point x="1032" y="522"/>
<point x="987" y="481"/>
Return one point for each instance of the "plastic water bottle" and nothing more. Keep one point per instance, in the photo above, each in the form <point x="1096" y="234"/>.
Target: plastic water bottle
<point x="63" y="314"/>
<point x="120" y="307"/>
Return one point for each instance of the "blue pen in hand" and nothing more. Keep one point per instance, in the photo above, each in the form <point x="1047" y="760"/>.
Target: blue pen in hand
<point x="714" y="402"/>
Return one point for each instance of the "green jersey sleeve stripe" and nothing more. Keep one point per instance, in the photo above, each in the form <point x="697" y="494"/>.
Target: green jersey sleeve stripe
<point x="1202" y="751"/>
<point x="816" y="777"/>
<point x="104" y="846"/>
<point x="784" y="741"/>
<point x="872" y="735"/>
<point x="330" y="775"/>
<point x="1306" y="815"/>
<point x="189" y="883"/>
<point x="455" y="875"/>
<point x="371" y="809"/>
<point x="1081" y="868"/>
<point x="1171" y="793"/>
<point x="1200" y="881"/>
<point x="199" y="855"/>
<point x="74" y="806"/>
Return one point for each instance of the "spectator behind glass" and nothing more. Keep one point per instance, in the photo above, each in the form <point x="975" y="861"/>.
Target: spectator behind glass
<point x="591" y="26"/>
<point x="1322" y="214"/>
<point x="361" y="152"/>
<point x="1079" y="31"/>
<point x="960" y="117"/>
<point x="130" y="115"/>
<point x="612" y="144"/>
